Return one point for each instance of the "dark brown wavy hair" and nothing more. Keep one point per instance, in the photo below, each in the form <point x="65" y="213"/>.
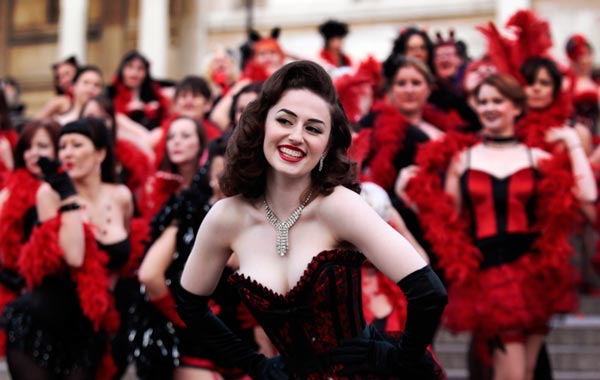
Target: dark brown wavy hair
<point x="246" y="167"/>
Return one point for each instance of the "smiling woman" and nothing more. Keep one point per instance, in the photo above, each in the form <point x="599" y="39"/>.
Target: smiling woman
<point x="295" y="222"/>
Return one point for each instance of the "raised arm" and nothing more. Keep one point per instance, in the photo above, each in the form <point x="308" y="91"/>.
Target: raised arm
<point x="585" y="183"/>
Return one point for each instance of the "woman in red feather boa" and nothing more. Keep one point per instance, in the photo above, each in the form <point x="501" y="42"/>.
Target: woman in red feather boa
<point x="506" y="269"/>
<point x="17" y="203"/>
<point x="60" y="326"/>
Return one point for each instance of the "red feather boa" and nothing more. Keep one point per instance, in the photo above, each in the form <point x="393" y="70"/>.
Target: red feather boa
<point x="156" y="191"/>
<point x="445" y="120"/>
<point x="475" y="303"/>
<point x="42" y="256"/>
<point x="389" y="131"/>
<point x="137" y="164"/>
<point x="22" y="187"/>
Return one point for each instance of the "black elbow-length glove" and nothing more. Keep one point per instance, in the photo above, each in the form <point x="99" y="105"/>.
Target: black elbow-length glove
<point x="407" y="356"/>
<point x="228" y="348"/>
<point x="56" y="177"/>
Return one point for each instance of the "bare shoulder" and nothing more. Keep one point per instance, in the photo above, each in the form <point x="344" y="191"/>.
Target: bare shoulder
<point x="339" y="204"/>
<point x="119" y="193"/>
<point x="228" y="211"/>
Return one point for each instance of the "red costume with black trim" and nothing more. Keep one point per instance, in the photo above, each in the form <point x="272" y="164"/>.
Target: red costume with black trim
<point x="151" y="115"/>
<point x="62" y="322"/>
<point x="496" y="293"/>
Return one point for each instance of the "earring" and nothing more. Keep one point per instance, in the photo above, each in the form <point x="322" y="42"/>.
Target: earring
<point x="321" y="162"/>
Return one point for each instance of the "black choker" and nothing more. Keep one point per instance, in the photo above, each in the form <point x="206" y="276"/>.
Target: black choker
<point x="499" y="139"/>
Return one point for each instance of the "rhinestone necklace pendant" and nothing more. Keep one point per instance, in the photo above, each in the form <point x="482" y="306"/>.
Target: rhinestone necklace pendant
<point x="282" y="228"/>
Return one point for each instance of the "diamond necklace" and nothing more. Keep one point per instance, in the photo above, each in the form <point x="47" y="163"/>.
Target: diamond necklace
<point x="283" y="228"/>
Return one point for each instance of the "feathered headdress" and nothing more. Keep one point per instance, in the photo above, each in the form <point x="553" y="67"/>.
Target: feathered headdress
<point x="526" y="36"/>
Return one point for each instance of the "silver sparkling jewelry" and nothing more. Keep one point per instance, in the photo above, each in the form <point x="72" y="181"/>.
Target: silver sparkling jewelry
<point x="282" y="228"/>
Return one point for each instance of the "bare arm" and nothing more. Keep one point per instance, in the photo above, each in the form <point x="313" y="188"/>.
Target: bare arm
<point x="71" y="237"/>
<point x="54" y="106"/>
<point x="397" y="222"/>
<point x="220" y="113"/>
<point x="361" y="226"/>
<point x="585" y="183"/>
<point x="6" y="155"/>
<point x="158" y="258"/>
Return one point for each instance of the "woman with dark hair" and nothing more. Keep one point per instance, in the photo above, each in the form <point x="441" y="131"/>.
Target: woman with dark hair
<point x="508" y="265"/>
<point x="412" y="42"/>
<point x="300" y="276"/>
<point x="58" y="328"/>
<point x="63" y="74"/>
<point x="138" y="97"/>
<point x="87" y="83"/>
<point x="185" y="144"/>
<point x="134" y="159"/>
<point x="17" y="202"/>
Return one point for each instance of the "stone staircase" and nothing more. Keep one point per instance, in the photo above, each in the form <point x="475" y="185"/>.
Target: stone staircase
<point x="573" y="345"/>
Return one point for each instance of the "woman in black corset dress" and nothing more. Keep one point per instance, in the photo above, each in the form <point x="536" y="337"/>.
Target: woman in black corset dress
<point x="499" y="184"/>
<point x="58" y="329"/>
<point x="297" y="225"/>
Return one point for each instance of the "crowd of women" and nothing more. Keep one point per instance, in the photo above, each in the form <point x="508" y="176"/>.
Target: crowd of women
<point x="149" y="223"/>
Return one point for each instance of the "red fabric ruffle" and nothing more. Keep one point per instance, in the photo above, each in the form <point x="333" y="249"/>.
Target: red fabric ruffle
<point x="22" y="188"/>
<point x="445" y="120"/>
<point x="157" y="190"/>
<point x="334" y="60"/>
<point x="139" y="237"/>
<point x="135" y="162"/>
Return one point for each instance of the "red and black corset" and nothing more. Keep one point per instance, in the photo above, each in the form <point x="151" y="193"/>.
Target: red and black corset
<point x="502" y="213"/>
<point x="322" y="309"/>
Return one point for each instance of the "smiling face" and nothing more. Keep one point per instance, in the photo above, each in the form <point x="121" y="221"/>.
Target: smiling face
<point x="183" y="144"/>
<point x="78" y="156"/>
<point x="409" y="91"/>
<point x="540" y="92"/>
<point x="297" y="130"/>
<point x="40" y="146"/>
<point x="496" y="112"/>
<point x="446" y="61"/>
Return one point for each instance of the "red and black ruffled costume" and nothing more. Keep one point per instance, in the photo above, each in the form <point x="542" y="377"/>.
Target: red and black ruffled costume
<point x="507" y="262"/>
<point x="62" y="322"/>
<point x="313" y="317"/>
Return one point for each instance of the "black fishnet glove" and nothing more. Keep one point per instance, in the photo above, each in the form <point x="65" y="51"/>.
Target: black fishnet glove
<point x="56" y="177"/>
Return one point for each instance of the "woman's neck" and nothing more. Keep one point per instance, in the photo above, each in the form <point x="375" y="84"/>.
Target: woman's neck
<point x="285" y="194"/>
<point x="187" y="171"/>
<point x="414" y="118"/>
<point x="88" y="187"/>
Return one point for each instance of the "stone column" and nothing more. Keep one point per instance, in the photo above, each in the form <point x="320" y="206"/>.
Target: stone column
<point x="506" y="8"/>
<point x="72" y="29"/>
<point x="193" y="35"/>
<point x="153" y="35"/>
